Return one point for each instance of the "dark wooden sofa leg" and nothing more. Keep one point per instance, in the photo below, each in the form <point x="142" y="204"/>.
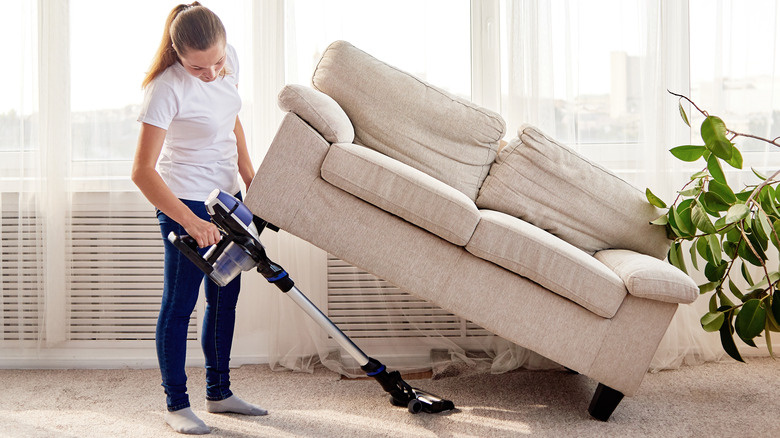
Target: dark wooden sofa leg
<point x="604" y="402"/>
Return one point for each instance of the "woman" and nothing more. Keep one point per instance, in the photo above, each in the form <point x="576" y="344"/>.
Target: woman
<point x="192" y="142"/>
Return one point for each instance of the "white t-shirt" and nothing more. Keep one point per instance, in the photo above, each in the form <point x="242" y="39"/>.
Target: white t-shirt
<point x="199" y="153"/>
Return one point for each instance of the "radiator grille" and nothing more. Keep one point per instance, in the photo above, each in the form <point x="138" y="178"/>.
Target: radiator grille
<point x="364" y="306"/>
<point x="20" y="270"/>
<point x="116" y="272"/>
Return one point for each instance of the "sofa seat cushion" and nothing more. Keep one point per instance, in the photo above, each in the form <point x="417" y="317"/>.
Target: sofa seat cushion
<point x="549" y="185"/>
<point x="648" y="277"/>
<point x="548" y="261"/>
<point x="401" y="190"/>
<point x="405" y="118"/>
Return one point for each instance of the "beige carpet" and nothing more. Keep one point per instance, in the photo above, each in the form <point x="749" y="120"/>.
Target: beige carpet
<point x="722" y="400"/>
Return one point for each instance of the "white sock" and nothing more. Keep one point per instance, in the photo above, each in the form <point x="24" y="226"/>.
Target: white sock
<point x="234" y="405"/>
<point x="185" y="421"/>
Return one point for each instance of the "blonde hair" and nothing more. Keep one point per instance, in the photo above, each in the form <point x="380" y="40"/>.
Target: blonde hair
<point x="188" y="27"/>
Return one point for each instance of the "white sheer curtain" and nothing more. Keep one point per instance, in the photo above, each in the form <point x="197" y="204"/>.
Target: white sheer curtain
<point x="34" y="184"/>
<point x="22" y="164"/>
<point x="557" y="58"/>
<point x="592" y="74"/>
<point x="435" y="47"/>
<point x="595" y="75"/>
<point x="81" y="251"/>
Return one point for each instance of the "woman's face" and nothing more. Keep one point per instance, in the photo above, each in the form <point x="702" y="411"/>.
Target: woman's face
<point x="205" y="64"/>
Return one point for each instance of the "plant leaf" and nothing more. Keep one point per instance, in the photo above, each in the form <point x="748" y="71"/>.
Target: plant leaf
<point x="693" y="191"/>
<point x="764" y="283"/>
<point x="724" y="299"/>
<point x="714" y="272"/>
<point x="735" y="290"/>
<point x="714" y="247"/>
<point x="763" y="221"/>
<point x="694" y="258"/>
<point x="714" y="202"/>
<point x="707" y="287"/>
<point x="747" y="254"/>
<point x="743" y="196"/>
<point x="723" y="191"/>
<point x="746" y="275"/>
<point x="727" y="340"/>
<point x="758" y="247"/>
<point x="771" y="322"/>
<point x="700" y="174"/>
<point x="676" y="257"/>
<point x="713" y="165"/>
<point x="751" y="320"/>
<point x="701" y="220"/>
<point x="661" y="220"/>
<point x="736" y="213"/>
<point x="672" y="229"/>
<point x="776" y="305"/>
<point x="730" y="249"/>
<point x="758" y="230"/>
<point x="654" y="200"/>
<point x="736" y="158"/>
<point x="683" y="114"/>
<point x="712" y="321"/>
<point x="713" y="132"/>
<point x="771" y="203"/>
<point x="760" y="176"/>
<point x="682" y="216"/>
<point x="688" y="153"/>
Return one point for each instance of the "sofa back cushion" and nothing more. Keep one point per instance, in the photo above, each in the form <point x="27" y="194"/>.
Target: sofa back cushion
<point x="549" y="185"/>
<point x="407" y="119"/>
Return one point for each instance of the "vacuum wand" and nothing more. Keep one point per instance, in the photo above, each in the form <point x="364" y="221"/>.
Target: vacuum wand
<point x="241" y="250"/>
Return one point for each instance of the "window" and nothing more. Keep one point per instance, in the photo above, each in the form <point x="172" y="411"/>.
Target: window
<point x="105" y="81"/>
<point x="429" y="39"/>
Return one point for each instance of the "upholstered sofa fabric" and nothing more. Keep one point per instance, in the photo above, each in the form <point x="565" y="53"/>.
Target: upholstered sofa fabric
<point x="648" y="277"/>
<point x="548" y="261"/>
<point x="401" y="190"/>
<point x="402" y="207"/>
<point x="318" y="110"/>
<point x="547" y="184"/>
<point x="427" y="128"/>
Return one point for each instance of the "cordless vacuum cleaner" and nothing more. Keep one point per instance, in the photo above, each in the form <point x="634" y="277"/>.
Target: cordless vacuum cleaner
<point x="240" y="250"/>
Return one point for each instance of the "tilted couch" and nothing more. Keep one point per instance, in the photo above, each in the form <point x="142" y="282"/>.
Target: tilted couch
<point x="532" y="242"/>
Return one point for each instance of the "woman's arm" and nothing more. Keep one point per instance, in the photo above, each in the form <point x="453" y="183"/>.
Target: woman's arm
<point x="245" y="168"/>
<point x="151" y="184"/>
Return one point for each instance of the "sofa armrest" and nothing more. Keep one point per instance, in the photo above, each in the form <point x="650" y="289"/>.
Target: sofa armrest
<point x="648" y="277"/>
<point x="318" y="110"/>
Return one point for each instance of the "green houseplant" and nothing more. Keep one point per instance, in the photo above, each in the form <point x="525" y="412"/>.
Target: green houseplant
<point x="724" y="232"/>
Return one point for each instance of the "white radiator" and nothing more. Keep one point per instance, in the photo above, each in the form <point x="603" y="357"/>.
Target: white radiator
<point x="364" y="306"/>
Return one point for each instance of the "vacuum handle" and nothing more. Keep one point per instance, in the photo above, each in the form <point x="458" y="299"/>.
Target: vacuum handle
<point x="189" y="247"/>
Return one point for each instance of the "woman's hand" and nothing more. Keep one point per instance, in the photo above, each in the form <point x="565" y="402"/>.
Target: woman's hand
<point x="204" y="232"/>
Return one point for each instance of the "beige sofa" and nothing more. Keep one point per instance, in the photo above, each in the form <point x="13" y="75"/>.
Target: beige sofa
<point x="532" y="242"/>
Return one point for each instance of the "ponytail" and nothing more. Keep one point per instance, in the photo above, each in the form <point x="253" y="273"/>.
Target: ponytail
<point x="198" y="28"/>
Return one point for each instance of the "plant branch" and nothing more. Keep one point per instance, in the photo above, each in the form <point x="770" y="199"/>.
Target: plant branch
<point x="683" y="189"/>
<point x="761" y="186"/>
<point x="735" y="134"/>
<point x="765" y="140"/>
<point x="704" y="113"/>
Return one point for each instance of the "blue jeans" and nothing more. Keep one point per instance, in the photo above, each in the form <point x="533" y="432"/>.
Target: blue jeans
<point x="180" y="293"/>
